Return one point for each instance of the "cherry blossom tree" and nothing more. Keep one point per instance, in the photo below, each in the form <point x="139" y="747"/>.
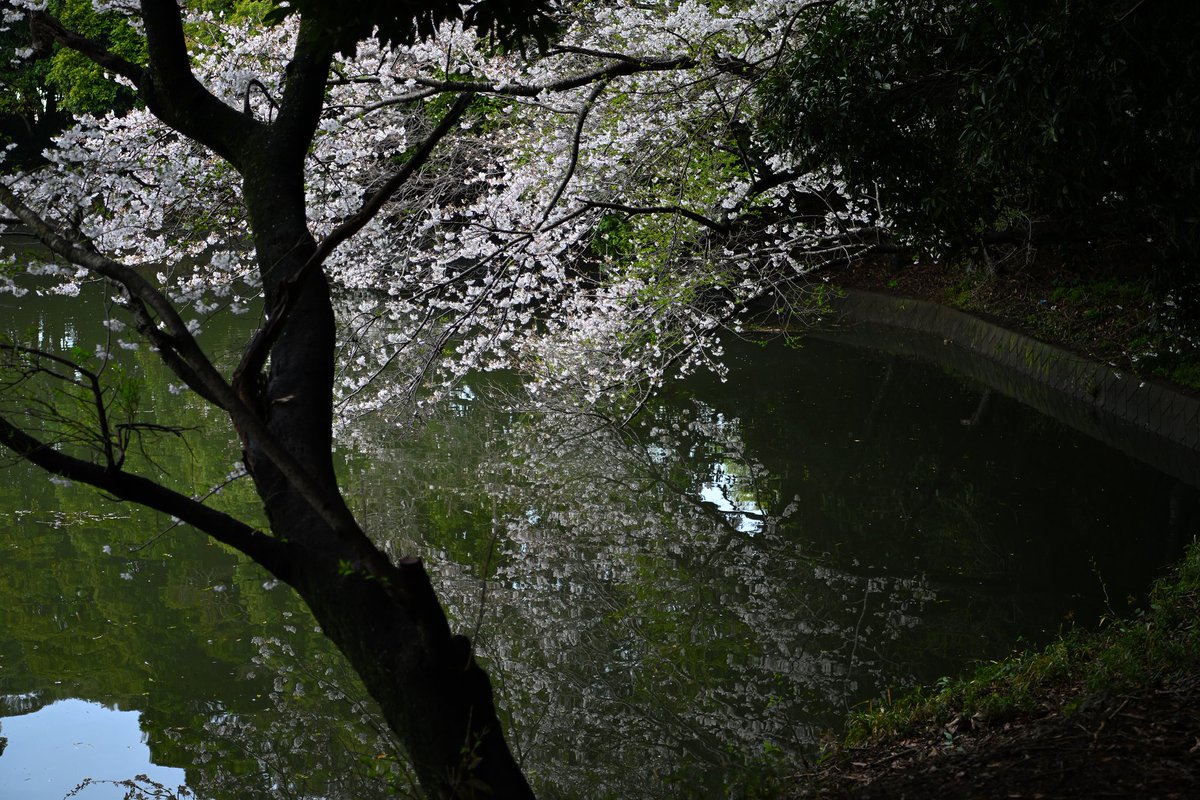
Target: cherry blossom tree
<point x="412" y="195"/>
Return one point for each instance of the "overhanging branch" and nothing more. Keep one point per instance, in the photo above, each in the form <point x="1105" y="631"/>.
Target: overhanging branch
<point x="28" y="361"/>
<point x="719" y="227"/>
<point x="618" y="66"/>
<point x="270" y="552"/>
<point x="575" y="145"/>
<point x="165" y="328"/>
<point x="43" y="24"/>
<point x="605" y="72"/>
<point x="170" y="329"/>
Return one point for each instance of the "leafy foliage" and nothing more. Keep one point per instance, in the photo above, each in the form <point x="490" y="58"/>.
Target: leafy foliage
<point x="45" y="91"/>
<point x="30" y="112"/>
<point x="966" y="116"/>
<point x="82" y="85"/>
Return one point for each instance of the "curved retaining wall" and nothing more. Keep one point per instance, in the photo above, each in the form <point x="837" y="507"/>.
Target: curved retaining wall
<point x="1149" y="421"/>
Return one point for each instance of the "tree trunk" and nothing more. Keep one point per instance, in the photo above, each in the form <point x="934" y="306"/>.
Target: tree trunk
<point x="390" y="626"/>
<point x="434" y="695"/>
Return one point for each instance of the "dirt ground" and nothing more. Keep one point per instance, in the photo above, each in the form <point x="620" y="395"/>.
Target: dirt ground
<point x="1140" y="745"/>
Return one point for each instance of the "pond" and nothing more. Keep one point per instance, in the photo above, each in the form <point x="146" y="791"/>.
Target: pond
<point x="678" y="608"/>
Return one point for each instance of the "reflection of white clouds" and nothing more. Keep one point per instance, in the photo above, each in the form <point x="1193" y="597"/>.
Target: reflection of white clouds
<point x="723" y="490"/>
<point x="730" y="483"/>
<point x="658" y="454"/>
<point x="461" y="399"/>
<point x="57" y="747"/>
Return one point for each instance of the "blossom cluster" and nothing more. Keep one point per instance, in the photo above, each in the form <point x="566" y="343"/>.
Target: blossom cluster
<point x="602" y="210"/>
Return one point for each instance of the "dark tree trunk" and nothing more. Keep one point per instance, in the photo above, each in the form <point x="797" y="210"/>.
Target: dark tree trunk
<point x="384" y="617"/>
<point x="434" y="695"/>
<point x="390" y="626"/>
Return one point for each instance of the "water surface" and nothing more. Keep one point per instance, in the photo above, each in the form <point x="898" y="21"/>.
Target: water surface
<point x="678" y="608"/>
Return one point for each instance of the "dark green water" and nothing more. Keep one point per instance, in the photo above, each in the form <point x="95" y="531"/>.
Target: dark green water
<point x="677" y="609"/>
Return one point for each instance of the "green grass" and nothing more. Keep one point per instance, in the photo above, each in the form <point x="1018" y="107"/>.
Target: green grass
<point x="1100" y="293"/>
<point x="1185" y="374"/>
<point x="1109" y="319"/>
<point x="1141" y="650"/>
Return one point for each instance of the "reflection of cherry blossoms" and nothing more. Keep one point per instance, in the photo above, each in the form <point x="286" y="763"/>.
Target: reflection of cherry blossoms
<point x="320" y="736"/>
<point x="643" y="636"/>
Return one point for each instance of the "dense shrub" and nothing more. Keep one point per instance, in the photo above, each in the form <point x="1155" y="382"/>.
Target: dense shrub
<point x="980" y="115"/>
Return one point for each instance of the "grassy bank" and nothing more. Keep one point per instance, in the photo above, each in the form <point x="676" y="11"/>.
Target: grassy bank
<point x="1102" y="312"/>
<point x="1151" y="646"/>
<point x="1131" y="687"/>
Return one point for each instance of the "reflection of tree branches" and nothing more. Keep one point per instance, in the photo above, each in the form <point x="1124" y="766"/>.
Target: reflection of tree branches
<point x="176" y="523"/>
<point x="111" y="439"/>
<point x="303" y="746"/>
<point x="631" y="611"/>
<point x="868" y="426"/>
<point x="139" y="788"/>
<point x="483" y="584"/>
<point x="854" y="648"/>
<point x="932" y="490"/>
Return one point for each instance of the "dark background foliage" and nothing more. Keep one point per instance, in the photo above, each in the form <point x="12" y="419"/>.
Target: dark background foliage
<point x="985" y="115"/>
<point x="405" y="21"/>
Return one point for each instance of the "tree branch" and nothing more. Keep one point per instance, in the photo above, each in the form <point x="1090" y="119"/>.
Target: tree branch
<point x="93" y="388"/>
<point x="398" y="100"/>
<point x="43" y="24"/>
<point x="177" y="98"/>
<point x="250" y="427"/>
<point x="255" y="83"/>
<point x="719" y="227"/>
<point x="271" y="553"/>
<point x="168" y="332"/>
<point x="260" y="345"/>
<point x="167" y="83"/>
<point x="613" y="69"/>
<point x="575" y="143"/>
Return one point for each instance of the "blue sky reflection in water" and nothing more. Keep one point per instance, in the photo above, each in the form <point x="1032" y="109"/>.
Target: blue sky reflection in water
<point x="671" y="610"/>
<point x="54" y="749"/>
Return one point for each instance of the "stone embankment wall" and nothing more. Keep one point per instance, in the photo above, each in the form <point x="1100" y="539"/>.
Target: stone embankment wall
<point x="1150" y="421"/>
